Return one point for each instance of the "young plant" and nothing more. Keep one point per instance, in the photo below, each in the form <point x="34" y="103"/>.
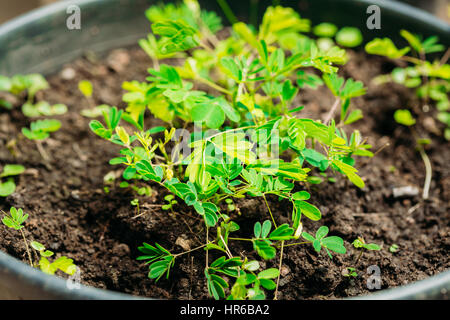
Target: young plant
<point x="63" y="263"/>
<point x="30" y="84"/>
<point x="359" y="243"/>
<point x="431" y="80"/>
<point x="15" y="220"/>
<point x="350" y="272"/>
<point x="404" y="117"/>
<point x="40" y="130"/>
<point x="9" y="171"/>
<point x="170" y="199"/>
<point x="236" y="94"/>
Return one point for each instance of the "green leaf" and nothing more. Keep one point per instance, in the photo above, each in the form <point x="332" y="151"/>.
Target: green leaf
<point x="349" y="37"/>
<point x="321" y="232"/>
<point x="308" y="237"/>
<point x="264" y="249"/>
<point x="404" y="117"/>
<point x="371" y="246"/>
<point x="7" y="188"/>
<point x="385" y="47"/>
<point x="86" y="88"/>
<point x="37" y="246"/>
<point x="335" y="244"/>
<point x="176" y="36"/>
<point x="257" y="230"/>
<point x="301" y="195"/>
<point x="12" y="170"/>
<point x="267" y="225"/>
<point x="283" y="232"/>
<point x="309" y="210"/>
<point x="212" y="115"/>
<point x="325" y="29"/>
<point x="270" y="273"/>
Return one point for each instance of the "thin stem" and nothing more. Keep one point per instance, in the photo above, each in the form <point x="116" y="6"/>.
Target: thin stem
<point x="297" y="243"/>
<point x="428" y="173"/>
<point x="227" y="11"/>
<point x="359" y="257"/>
<point x="240" y="239"/>
<point x="27" y="248"/>
<point x="207" y="251"/>
<point x="213" y="85"/>
<point x="226" y="247"/>
<point x="279" y="270"/>
<point x="445" y="57"/>
<point x="270" y="212"/>
<point x="42" y="151"/>
<point x="332" y="110"/>
<point x="197" y="248"/>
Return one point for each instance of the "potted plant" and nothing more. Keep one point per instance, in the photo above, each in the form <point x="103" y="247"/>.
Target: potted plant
<point x="226" y="152"/>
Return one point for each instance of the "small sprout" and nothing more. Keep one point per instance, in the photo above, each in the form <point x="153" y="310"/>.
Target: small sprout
<point x="8" y="187"/>
<point x="230" y="204"/>
<point x="86" y="88"/>
<point x="325" y="29"/>
<point x="170" y="199"/>
<point x="359" y="243"/>
<point x="135" y="203"/>
<point x="16" y="219"/>
<point x="349" y="272"/>
<point x="394" y="248"/>
<point x="63" y="263"/>
<point x="41" y="129"/>
<point x="404" y="117"/>
<point x="349" y="37"/>
<point x="332" y="243"/>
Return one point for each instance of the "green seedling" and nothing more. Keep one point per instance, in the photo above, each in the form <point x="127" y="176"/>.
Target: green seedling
<point x="404" y="117"/>
<point x="430" y="79"/>
<point x="170" y="199"/>
<point x="349" y="37"/>
<point x="325" y="29"/>
<point x="62" y="263"/>
<point x="31" y="84"/>
<point x="359" y="243"/>
<point x="87" y="89"/>
<point x="40" y="130"/>
<point x="9" y="171"/>
<point x="249" y="141"/>
<point x="394" y="248"/>
<point x="135" y="203"/>
<point x="350" y="272"/>
<point x="15" y="220"/>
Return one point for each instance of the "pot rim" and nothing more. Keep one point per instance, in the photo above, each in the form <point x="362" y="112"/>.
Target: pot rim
<point x="17" y="273"/>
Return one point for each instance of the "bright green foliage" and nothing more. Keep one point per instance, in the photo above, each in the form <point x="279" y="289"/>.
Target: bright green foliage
<point x="63" y="263"/>
<point x="237" y="97"/>
<point x="431" y="80"/>
<point x="394" y="248"/>
<point x="86" y="88"/>
<point x="404" y="117"/>
<point x="160" y="260"/>
<point x="325" y="29"/>
<point x="333" y="243"/>
<point x="349" y="37"/>
<point x="360" y="243"/>
<point x="16" y="219"/>
<point x="30" y="84"/>
<point x="350" y="272"/>
<point x="8" y="187"/>
<point x="41" y="129"/>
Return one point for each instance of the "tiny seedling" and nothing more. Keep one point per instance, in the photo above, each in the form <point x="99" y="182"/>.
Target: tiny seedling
<point x="350" y="272"/>
<point x="430" y="79"/>
<point x="170" y="202"/>
<point x="40" y="130"/>
<point x="63" y="263"/>
<point x="30" y="84"/>
<point x="9" y="171"/>
<point x="404" y="117"/>
<point x="394" y="248"/>
<point x="135" y="203"/>
<point x="359" y="243"/>
<point x="15" y="220"/>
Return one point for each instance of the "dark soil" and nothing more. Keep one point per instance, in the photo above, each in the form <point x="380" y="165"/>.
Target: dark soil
<point x="72" y="215"/>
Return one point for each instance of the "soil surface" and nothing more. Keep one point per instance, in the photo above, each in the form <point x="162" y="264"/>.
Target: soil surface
<point x="72" y="215"/>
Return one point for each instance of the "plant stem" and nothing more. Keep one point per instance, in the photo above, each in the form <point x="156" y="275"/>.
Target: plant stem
<point x="279" y="270"/>
<point x="297" y="243"/>
<point x="332" y="110"/>
<point x="27" y="248"/>
<point x="227" y="11"/>
<point x="207" y="251"/>
<point x="428" y="173"/>
<point x="240" y="239"/>
<point x="213" y="85"/>
<point x="42" y="151"/>
<point x="197" y="248"/>
<point x="267" y="204"/>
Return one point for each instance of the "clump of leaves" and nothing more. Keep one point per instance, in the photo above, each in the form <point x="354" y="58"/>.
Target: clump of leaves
<point x="170" y="202"/>
<point x="238" y="95"/>
<point x="30" y="85"/>
<point x="9" y="171"/>
<point x="63" y="263"/>
<point x="15" y="220"/>
<point x="40" y="130"/>
<point x="430" y="79"/>
<point x="360" y="243"/>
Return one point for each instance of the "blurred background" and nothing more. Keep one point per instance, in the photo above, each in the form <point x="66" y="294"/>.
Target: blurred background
<point x="12" y="8"/>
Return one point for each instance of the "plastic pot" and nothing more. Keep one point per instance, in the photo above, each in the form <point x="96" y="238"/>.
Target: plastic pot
<point x="40" y="42"/>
